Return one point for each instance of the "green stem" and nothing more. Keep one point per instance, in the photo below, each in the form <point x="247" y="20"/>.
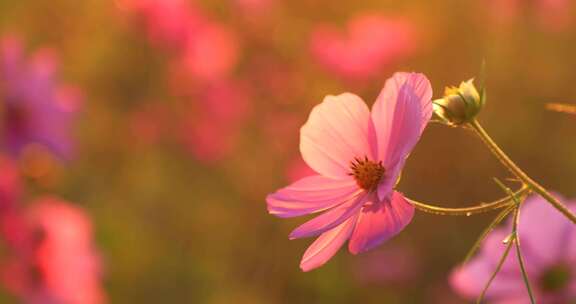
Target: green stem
<point x="508" y="163"/>
<point x="479" y="208"/>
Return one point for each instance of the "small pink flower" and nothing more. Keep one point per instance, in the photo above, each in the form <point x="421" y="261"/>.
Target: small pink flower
<point x="358" y="156"/>
<point x="371" y="43"/>
<point x="548" y="243"/>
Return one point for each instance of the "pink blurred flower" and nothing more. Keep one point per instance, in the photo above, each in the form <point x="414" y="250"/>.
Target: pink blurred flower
<point x="205" y="49"/>
<point x="211" y="54"/>
<point x="149" y="124"/>
<point x="255" y="8"/>
<point x="168" y="23"/>
<point x="396" y="265"/>
<point x="12" y="226"/>
<point x="370" y="43"/>
<point x="552" y="15"/>
<point x="298" y="169"/>
<point x="62" y="265"/>
<point x="548" y="242"/>
<point x="36" y="109"/>
<point x="280" y="129"/>
<point x="359" y="156"/>
<point x="213" y="125"/>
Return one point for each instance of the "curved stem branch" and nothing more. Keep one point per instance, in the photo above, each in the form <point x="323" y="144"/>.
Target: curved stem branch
<point x="479" y="208"/>
<point x="512" y="167"/>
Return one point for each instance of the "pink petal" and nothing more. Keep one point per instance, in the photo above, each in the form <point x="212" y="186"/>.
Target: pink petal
<point x="325" y="246"/>
<point x="493" y="247"/>
<point x="309" y="195"/>
<point x="330" y="218"/>
<point x="546" y="245"/>
<point x="379" y="221"/>
<point x="470" y="279"/>
<point x="386" y="187"/>
<point x="337" y="130"/>
<point x="400" y="114"/>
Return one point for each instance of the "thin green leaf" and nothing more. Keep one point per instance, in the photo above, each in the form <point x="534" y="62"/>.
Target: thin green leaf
<point x="523" y="270"/>
<point x="496" y="271"/>
<point x="497" y="220"/>
<point x="521" y="262"/>
<point x="516" y="241"/>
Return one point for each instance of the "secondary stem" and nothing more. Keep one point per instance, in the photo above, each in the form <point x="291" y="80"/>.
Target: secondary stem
<point x="508" y="163"/>
<point x="479" y="208"/>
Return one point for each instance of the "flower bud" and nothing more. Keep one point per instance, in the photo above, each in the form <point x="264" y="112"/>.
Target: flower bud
<point x="459" y="105"/>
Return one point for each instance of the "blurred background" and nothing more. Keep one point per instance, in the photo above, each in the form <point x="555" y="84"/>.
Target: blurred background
<point x="164" y="124"/>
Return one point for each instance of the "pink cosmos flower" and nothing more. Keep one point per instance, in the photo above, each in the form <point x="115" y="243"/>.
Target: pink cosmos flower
<point x="371" y="43"/>
<point x="358" y="156"/>
<point x="36" y="108"/>
<point x="548" y="243"/>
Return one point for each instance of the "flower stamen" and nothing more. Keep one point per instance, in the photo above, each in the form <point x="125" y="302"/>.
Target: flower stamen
<point x="367" y="173"/>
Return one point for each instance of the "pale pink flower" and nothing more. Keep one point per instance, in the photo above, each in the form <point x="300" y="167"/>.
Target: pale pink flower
<point x="548" y="241"/>
<point x="370" y="44"/>
<point x="358" y="156"/>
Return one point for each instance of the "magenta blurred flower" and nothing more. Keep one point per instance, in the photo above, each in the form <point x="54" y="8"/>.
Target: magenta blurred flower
<point x="370" y="43"/>
<point x="62" y="265"/>
<point x="36" y="109"/>
<point x="359" y="156"/>
<point x="548" y="241"/>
